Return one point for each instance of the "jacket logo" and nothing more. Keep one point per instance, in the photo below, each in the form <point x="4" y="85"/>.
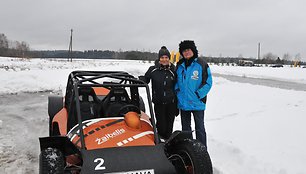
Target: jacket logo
<point x="195" y="75"/>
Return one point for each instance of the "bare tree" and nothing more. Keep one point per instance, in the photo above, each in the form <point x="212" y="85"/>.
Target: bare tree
<point x="270" y="56"/>
<point x="287" y="57"/>
<point x="297" y="57"/>
<point x="21" y="48"/>
<point x="3" y="44"/>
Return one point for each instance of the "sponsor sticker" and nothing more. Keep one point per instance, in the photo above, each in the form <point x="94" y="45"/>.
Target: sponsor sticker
<point x="148" y="171"/>
<point x="108" y="136"/>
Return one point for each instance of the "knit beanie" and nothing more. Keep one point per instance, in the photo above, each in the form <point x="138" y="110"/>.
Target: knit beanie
<point x="163" y="51"/>
<point x="188" y="44"/>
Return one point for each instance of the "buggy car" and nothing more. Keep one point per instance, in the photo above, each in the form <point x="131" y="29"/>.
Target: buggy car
<point x="100" y="126"/>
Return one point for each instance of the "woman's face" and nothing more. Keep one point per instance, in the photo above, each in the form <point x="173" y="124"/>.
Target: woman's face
<point x="188" y="53"/>
<point x="164" y="60"/>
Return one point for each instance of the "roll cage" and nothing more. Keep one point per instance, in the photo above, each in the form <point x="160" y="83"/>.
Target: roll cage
<point x="89" y="79"/>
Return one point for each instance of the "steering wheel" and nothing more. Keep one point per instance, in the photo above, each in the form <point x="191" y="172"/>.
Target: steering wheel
<point x="127" y="108"/>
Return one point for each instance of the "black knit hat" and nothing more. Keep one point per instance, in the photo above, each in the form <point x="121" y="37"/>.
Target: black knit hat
<point x="163" y="51"/>
<point x="188" y="44"/>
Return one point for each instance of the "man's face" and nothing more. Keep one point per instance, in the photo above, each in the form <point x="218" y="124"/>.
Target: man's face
<point x="187" y="54"/>
<point x="164" y="60"/>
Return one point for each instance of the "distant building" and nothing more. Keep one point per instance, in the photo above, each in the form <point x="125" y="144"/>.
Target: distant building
<point x="245" y="63"/>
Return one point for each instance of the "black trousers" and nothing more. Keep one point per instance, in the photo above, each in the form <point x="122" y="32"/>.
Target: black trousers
<point x="199" y="124"/>
<point x="165" y="115"/>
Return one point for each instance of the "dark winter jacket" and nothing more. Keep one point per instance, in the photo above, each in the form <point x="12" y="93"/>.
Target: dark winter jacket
<point x="163" y="81"/>
<point x="194" y="81"/>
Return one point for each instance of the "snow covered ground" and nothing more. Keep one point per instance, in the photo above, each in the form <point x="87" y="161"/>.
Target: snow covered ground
<point x="286" y="73"/>
<point x="251" y="128"/>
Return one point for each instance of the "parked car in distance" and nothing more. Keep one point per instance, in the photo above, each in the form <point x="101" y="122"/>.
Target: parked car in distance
<point x="277" y="66"/>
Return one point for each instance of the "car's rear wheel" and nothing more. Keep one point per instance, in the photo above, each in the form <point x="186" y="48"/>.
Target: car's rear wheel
<point x="51" y="161"/>
<point x="55" y="104"/>
<point x="190" y="157"/>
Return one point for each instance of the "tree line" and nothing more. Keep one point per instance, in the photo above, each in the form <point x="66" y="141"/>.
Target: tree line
<point x="96" y="54"/>
<point x="265" y="61"/>
<point x="10" y="48"/>
<point x="13" y="48"/>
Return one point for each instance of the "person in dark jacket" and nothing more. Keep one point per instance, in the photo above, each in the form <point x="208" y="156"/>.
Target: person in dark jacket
<point x="162" y="76"/>
<point x="194" y="81"/>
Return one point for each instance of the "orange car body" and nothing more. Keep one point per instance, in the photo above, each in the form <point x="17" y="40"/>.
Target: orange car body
<point x="131" y="130"/>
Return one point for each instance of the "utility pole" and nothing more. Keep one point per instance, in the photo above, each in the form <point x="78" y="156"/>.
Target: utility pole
<point x="258" y="56"/>
<point x="70" y="47"/>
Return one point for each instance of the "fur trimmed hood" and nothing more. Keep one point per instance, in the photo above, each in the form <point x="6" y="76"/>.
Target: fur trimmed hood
<point x="188" y="44"/>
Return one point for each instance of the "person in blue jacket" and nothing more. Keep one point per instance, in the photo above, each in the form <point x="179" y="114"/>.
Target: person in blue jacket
<point x="194" y="81"/>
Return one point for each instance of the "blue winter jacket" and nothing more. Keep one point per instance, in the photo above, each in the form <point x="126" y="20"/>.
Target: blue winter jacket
<point x="193" y="84"/>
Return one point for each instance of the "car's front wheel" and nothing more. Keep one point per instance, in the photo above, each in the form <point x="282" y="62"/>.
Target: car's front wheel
<point x="51" y="161"/>
<point x="190" y="157"/>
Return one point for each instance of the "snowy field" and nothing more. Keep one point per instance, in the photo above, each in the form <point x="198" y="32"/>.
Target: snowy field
<point x="252" y="129"/>
<point x="286" y="73"/>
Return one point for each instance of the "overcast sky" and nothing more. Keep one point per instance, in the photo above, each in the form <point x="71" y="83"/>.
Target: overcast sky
<point x="219" y="27"/>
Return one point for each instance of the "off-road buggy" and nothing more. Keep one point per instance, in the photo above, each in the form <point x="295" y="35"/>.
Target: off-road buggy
<point x="100" y="126"/>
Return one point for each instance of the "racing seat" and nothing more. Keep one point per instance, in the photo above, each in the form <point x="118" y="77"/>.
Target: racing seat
<point x="115" y="99"/>
<point x="89" y="107"/>
<point x="89" y="103"/>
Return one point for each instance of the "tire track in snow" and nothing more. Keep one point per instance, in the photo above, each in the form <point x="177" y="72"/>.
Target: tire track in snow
<point x="232" y="160"/>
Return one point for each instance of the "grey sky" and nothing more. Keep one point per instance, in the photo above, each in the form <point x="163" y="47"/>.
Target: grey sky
<point x="219" y="27"/>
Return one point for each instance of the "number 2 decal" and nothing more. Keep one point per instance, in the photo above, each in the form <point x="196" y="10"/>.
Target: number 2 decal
<point x="100" y="162"/>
